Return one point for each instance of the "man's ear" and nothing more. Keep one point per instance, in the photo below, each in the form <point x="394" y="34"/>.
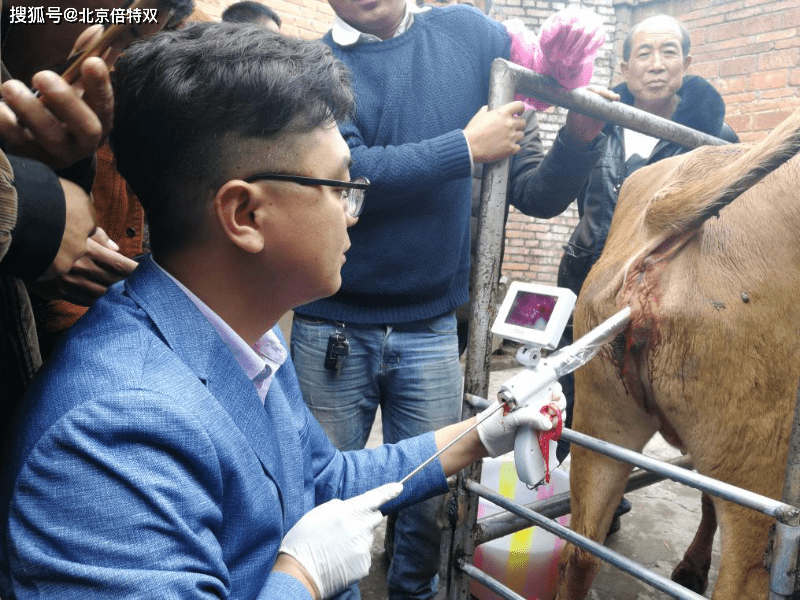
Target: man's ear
<point x="687" y="62"/>
<point x="623" y="66"/>
<point x="239" y="206"/>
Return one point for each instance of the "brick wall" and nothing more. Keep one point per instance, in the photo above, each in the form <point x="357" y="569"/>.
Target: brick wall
<point x="308" y="19"/>
<point x="748" y="49"/>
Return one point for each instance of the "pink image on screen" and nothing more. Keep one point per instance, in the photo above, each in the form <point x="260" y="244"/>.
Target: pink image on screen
<point x="531" y="310"/>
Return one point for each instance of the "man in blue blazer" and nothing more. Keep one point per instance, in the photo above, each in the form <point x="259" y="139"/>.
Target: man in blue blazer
<point x="165" y="450"/>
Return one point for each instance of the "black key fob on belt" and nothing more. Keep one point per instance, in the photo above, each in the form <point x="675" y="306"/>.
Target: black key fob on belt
<point x="338" y="348"/>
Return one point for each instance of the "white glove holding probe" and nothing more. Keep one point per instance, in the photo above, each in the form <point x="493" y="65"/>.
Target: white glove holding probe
<point x="497" y="433"/>
<point x="333" y="542"/>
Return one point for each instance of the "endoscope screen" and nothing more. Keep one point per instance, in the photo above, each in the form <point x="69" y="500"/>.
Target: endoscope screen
<point x="531" y="310"/>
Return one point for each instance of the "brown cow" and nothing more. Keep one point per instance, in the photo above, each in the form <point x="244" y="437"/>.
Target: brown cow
<point x="711" y="358"/>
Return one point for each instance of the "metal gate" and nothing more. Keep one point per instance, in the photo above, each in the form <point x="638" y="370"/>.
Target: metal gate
<point x="457" y="569"/>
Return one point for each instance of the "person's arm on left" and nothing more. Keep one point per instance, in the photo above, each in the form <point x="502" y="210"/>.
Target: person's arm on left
<point x="345" y="474"/>
<point x="62" y="127"/>
<point x="330" y="546"/>
<point x="90" y="276"/>
<point x="544" y="185"/>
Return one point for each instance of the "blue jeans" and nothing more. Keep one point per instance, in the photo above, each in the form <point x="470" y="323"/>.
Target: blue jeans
<point x="412" y="372"/>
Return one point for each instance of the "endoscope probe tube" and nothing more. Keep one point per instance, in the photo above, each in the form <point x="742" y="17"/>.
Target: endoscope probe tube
<point x="428" y="461"/>
<point x="577" y="354"/>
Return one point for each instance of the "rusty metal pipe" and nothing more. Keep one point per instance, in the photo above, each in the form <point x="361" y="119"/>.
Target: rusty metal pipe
<point x="485" y="275"/>
<point x="588" y="103"/>
<point x="497" y="526"/>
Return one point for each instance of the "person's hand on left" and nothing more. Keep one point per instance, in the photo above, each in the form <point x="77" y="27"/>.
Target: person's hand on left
<point x="65" y="123"/>
<point x="333" y="542"/>
<point x="90" y="275"/>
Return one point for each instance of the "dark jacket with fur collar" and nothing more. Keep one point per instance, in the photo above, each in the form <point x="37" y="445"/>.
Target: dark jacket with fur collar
<point x="700" y="107"/>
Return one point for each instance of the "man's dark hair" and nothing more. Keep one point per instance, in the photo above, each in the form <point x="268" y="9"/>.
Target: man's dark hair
<point x="627" y="45"/>
<point x="185" y="100"/>
<point x="249" y="12"/>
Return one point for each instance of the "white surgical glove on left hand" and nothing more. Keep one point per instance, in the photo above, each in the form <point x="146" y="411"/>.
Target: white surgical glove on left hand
<point x="333" y="541"/>
<point x="497" y="433"/>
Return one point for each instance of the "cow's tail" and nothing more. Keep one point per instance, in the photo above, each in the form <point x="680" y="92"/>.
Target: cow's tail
<point x="712" y="177"/>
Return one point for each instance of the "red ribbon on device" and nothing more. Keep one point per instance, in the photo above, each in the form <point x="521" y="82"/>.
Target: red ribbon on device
<point x="553" y="434"/>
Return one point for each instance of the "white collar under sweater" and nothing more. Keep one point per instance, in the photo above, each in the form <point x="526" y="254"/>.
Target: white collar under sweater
<point x="345" y="34"/>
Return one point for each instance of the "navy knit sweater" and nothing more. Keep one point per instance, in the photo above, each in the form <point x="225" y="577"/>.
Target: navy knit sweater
<point x="415" y="93"/>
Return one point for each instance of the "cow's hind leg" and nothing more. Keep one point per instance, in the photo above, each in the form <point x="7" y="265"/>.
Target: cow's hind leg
<point x="597" y="482"/>
<point x="692" y="571"/>
<point x="745" y="534"/>
<point x="596" y="487"/>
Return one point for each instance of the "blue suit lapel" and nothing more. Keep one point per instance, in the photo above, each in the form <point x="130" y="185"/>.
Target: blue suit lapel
<point x="187" y="332"/>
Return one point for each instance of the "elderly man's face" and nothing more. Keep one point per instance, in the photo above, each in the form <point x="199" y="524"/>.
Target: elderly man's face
<point x="376" y="17"/>
<point x="655" y="69"/>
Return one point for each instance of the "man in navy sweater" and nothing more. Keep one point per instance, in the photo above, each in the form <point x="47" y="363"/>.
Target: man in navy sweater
<point x="388" y="337"/>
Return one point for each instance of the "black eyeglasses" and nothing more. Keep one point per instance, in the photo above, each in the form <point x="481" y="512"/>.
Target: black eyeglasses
<point x="352" y="191"/>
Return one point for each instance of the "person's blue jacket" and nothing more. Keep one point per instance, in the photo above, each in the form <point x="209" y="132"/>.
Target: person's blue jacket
<point x="149" y="468"/>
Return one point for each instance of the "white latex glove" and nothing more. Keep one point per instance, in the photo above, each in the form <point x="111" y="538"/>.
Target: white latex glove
<point x="333" y="541"/>
<point x="498" y="431"/>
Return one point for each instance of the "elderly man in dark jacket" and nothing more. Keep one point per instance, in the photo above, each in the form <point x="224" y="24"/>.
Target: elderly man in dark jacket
<point x="655" y="59"/>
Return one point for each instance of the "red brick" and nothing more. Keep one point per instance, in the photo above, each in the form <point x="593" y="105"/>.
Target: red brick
<point x="766" y="104"/>
<point x="770" y="120"/>
<point x="732" y="85"/>
<point x="738" y="66"/>
<point x="752" y="136"/>
<point x="779" y="95"/>
<point x="779" y="34"/>
<point x="708" y="70"/>
<point x="791" y="17"/>
<point x="723" y="31"/>
<point x="766" y="80"/>
<point x="767" y="22"/>
<point x="513" y="266"/>
<point x="744" y="98"/>
<point x="792" y="41"/>
<point x="697" y="26"/>
<point x="771" y="5"/>
<point x="779" y="59"/>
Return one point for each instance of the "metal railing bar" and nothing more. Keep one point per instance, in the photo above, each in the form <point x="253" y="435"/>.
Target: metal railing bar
<point x="490" y="582"/>
<point x="585" y="102"/>
<point x="726" y="491"/>
<point x="497" y="526"/>
<point x="621" y="562"/>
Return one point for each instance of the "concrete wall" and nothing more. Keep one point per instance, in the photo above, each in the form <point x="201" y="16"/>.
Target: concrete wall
<point x="748" y="49"/>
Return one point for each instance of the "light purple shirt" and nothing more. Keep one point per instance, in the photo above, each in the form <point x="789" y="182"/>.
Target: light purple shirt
<point x="259" y="361"/>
